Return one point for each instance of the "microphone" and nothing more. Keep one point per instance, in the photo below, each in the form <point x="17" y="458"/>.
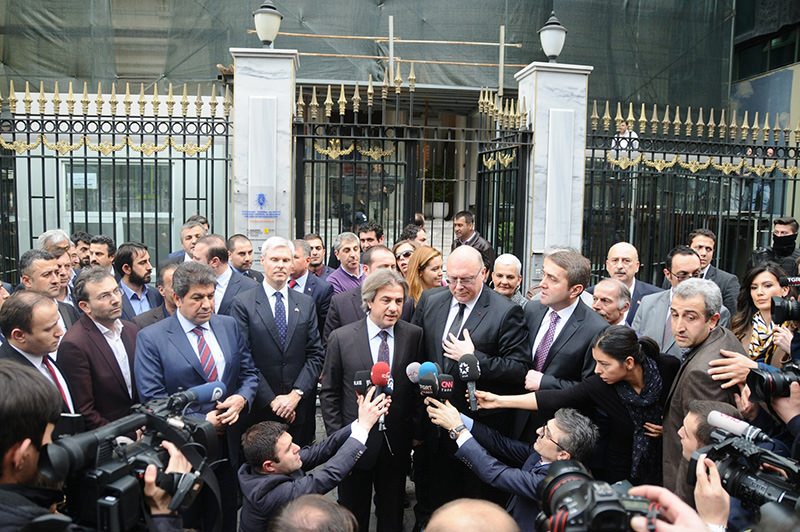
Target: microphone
<point x="737" y="427"/>
<point x="361" y="381"/>
<point x="429" y="385"/>
<point x="412" y="372"/>
<point x="428" y="367"/>
<point x="209" y="392"/>
<point x="445" y="387"/>
<point x="470" y="370"/>
<point x="381" y="376"/>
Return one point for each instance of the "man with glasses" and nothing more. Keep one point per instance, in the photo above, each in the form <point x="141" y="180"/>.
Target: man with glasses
<point x="653" y="319"/>
<point x="469" y="317"/>
<point x="569" y="435"/>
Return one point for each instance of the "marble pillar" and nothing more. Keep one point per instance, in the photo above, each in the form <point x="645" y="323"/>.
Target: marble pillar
<point x="556" y="97"/>
<point x="263" y="177"/>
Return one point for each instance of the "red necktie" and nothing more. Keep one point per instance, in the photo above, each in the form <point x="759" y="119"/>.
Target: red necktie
<point x="52" y="371"/>
<point x="292" y="283"/>
<point x="206" y="360"/>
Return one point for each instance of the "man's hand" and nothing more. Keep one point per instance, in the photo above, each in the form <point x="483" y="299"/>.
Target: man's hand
<point x="454" y="348"/>
<point x="711" y="500"/>
<point x="157" y="499"/>
<point x="652" y="430"/>
<point x="788" y="407"/>
<point x="230" y="408"/>
<point x="443" y="414"/>
<point x="371" y="408"/>
<point x="676" y="515"/>
<point x="732" y="367"/>
<point x="487" y="400"/>
<point x="213" y="418"/>
<point x="782" y="338"/>
<point x="748" y="409"/>
<point x="533" y="379"/>
<point x="285" y="405"/>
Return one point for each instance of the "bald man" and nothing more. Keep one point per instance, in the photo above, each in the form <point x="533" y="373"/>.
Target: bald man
<point x="471" y="515"/>
<point x="622" y="262"/>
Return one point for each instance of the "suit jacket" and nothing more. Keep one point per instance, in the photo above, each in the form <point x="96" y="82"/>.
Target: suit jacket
<point x="640" y="290"/>
<point x="652" y="321"/>
<point x="166" y="362"/>
<point x="483" y="246"/>
<point x="296" y="365"/>
<point x="7" y="286"/>
<point x="728" y="285"/>
<point x="346" y="308"/>
<point x="153" y="297"/>
<point x="692" y="382"/>
<point x="176" y="257"/>
<point x="349" y="352"/>
<point x="68" y="314"/>
<point x="321" y="292"/>
<point x="98" y="387"/>
<point x="255" y="275"/>
<point x="500" y="338"/>
<point x="237" y="284"/>
<point x="151" y="316"/>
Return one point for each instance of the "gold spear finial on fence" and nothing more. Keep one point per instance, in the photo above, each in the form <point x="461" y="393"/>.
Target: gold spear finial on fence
<point x="797" y="134"/>
<point x="700" y="124"/>
<point x="170" y="100"/>
<point x="155" y="101"/>
<point x="70" y="100"/>
<point x="689" y="123"/>
<point x="185" y="101"/>
<point x="212" y="103"/>
<point x="385" y="86"/>
<point x="342" y="101"/>
<point x="618" y="118"/>
<point x="711" y="125"/>
<point x="370" y="92"/>
<point x="198" y="101"/>
<point x="113" y="99"/>
<point x="776" y="131"/>
<point x="676" y="124"/>
<point x="42" y="101"/>
<point x="56" y="100"/>
<point x="630" y="118"/>
<point x="654" y="121"/>
<point x="665" y="122"/>
<point x="356" y="99"/>
<point x="606" y="118"/>
<point x="227" y="102"/>
<point x="26" y="100"/>
<point x="98" y="100"/>
<point x="766" y="128"/>
<point x="127" y="102"/>
<point x="141" y="102"/>
<point x="314" y="105"/>
<point x="756" y="129"/>
<point x="398" y="81"/>
<point x="595" y="118"/>
<point x="412" y="79"/>
<point x="642" y="120"/>
<point x="328" y="103"/>
<point x="481" y="102"/>
<point x="300" y="104"/>
<point x="85" y="99"/>
<point x="12" y="98"/>
<point x="523" y="114"/>
<point x="745" y="127"/>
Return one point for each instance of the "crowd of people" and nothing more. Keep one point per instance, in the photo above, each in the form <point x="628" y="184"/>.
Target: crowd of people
<point x="445" y="370"/>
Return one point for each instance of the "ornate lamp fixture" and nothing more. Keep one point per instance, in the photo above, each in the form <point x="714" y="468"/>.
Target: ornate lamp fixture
<point x="268" y="22"/>
<point x="552" y="36"/>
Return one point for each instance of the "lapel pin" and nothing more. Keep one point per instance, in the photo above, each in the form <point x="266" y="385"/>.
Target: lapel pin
<point x="296" y="309"/>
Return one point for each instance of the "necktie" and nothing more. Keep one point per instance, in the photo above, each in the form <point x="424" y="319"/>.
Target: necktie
<point x="52" y="372"/>
<point x="292" y="284"/>
<point x="544" y="346"/>
<point x="206" y="360"/>
<point x="667" y="332"/>
<point x="280" y="317"/>
<point x="455" y="327"/>
<point x="383" y="350"/>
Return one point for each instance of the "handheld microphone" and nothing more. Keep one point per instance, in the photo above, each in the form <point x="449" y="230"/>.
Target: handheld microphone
<point x="361" y="381"/>
<point x="470" y="370"/>
<point x="412" y="371"/>
<point x="429" y="385"/>
<point x="381" y="376"/>
<point x="209" y="392"/>
<point x="438" y="368"/>
<point x="428" y="367"/>
<point x="737" y="427"/>
<point x="446" y="383"/>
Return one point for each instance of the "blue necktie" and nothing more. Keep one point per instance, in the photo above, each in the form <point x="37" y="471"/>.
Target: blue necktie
<point x="280" y="317"/>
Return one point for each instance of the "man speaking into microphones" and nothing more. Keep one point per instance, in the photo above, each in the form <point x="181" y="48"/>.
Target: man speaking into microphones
<point x="385" y="349"/>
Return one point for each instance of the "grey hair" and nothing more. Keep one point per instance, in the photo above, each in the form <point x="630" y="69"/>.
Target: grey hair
<point x="712" y="297"/>
<point x="193" y="223"/>
<point x="623" y="293"/>
<point x="192" y="273"/>
<point x="507" y="259"/>
<point x="95" y="274"/>
<point x="341" y="238"/>
<point x="303" y="245"/>
<point x="52" y="236"/>
<point x="580" y="434"/>
<point x="275" y="242"/>
<point x="378" y="279"/>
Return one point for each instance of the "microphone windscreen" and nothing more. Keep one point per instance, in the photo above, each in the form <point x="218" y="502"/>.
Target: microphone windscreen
<point x="208" y="392"/>
<point x="428" y="385"/>
<point x="445" y="387"/>
<point x="468" y="368"/>
<point x="412" y="371"/>
<point x="380" y="374"/>
<point x="361" y="381"/>
<point x="428" y="367"/>
<point x="726" y="422"/>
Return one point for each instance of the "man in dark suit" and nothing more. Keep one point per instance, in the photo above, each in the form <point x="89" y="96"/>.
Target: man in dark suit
<point x="132" y="264"/>
<point x="96" y="354"/>
<point x="704" y="242"/>
<point x="302" y="281"/>
<point x="280" y="326"/>
<point x="317" y="265"/>
<point x="40" y="274"/>
<point x="380" y="337"/>
<point x="622" y="262"/>
<point x="469" y="317"/>
<point x="213" y="251"/>
<point x="240" y="257"/>
<point x="561" y="328"/>
<point x="466" y="235"/>
<point x="347" y="306"/>
<point x="29" y="322"/>
<point x="195" y="346"/>
<point x="101" y="253"/>
<point x="517" y="467"/>
<point x="168" y="307"/>
<point x="192" y="231"/>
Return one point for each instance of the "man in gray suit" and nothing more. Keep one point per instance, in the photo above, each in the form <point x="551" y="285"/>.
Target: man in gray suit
<point x="704" y="242"/>
<point x="653" y="320"/>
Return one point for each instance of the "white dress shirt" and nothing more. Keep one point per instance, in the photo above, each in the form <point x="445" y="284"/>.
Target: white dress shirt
<point x="564" y="314"/>
<point x="211" y="342"/>
<point x="38" y="363"/>
<point x="222" y="285"/>
<point x="113" y="337"/>
<point x="373" y="334"/>
<point x="451" y="316"/>
<point x="271" y="297"/>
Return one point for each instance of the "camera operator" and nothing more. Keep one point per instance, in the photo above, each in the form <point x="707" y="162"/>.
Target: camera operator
<point x="788" y="409"/>
<point x="29" y="408"/>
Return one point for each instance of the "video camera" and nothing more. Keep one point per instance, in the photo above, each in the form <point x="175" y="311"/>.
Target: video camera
<point x="753" y="475"/>
<point x="764" y="385"/>
<point x="104" y="478"/>
<point x="572" y="501"/>
<point x="785" y="309"/>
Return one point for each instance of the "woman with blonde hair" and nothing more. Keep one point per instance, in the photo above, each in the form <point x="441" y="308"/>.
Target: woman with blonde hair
<point x="424" y="271"/>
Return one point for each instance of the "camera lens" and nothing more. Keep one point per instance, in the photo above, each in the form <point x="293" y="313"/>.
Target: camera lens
<point x="784" y="310"/>
<point x="563" y="478"/>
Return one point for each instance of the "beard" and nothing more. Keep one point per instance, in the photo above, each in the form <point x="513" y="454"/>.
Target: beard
<point x="139" y="280"/>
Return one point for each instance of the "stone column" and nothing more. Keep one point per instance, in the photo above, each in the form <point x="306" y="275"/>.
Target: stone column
<point x="556" y="96"/>
<point x="263" y="177"/>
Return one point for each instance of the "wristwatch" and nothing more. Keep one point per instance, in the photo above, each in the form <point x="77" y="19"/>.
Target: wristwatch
<point x="456" y="431"/>
<point x="298" y="391"/>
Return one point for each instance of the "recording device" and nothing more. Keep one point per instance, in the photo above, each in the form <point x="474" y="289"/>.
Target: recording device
<point x="737" y="427"/>
<point x="785" y="309"/>
<point x="764" y="385"/>
<point x="381" y="377"/>
<point x="445" y="387"/>
<point x="428" y="367"/>
<point x="750" y="473"/>
<point x="429" y="385"/>
<point x="104" y="479"/>
<point x="572" y="501"/>
<point x="362" y="381"/>
<point x="412" y="372"/>
<point x="470" y="370"/>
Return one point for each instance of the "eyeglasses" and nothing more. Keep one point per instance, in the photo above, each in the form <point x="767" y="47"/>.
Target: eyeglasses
<point x="683" y="276"/>
<point x="105" y="296"/>
<point x="404" y="255"/>
<point x="464" y="282"/>
<point x="546" y="434"/>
